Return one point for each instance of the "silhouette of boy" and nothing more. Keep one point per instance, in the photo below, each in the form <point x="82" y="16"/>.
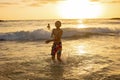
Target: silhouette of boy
<point x="57" y="44"/>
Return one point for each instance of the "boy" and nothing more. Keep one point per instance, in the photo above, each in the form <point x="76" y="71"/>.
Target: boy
<point x="57" y="44"/>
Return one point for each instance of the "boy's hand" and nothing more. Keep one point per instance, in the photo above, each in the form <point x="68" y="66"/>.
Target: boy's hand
<point x="47" y="41"/>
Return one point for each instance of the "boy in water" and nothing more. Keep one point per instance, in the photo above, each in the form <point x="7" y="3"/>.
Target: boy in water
<point x="57" y="44"/>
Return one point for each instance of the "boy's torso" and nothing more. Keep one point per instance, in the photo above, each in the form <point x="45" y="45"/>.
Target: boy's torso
<point x="57" y="35"/>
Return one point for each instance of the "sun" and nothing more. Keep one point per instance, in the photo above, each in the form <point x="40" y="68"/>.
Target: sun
<point x="79" y="9"/>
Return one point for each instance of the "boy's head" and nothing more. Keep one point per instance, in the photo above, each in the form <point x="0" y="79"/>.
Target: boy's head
<point x="57" y="23"/>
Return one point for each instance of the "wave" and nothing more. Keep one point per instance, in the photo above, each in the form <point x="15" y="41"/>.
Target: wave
<point x="26" y="35"/>
<point x="41" y="34"/>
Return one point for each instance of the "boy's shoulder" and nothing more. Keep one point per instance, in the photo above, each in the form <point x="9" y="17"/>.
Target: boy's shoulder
<point x="61" y="30"/>
<point x="53" y="29"/>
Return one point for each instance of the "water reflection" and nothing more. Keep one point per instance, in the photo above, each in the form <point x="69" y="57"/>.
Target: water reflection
<point x="56" y="72"/>
<point x="81" y="26"/>
<point x="81" y="49"/>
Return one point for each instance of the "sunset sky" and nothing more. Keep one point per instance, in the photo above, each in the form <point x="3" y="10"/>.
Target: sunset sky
<point x="53" y="9"/>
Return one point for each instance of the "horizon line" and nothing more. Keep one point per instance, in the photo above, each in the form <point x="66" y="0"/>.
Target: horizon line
<point x="61" y="18"/>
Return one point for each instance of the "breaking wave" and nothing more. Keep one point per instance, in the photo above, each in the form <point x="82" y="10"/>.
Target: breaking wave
<point x="41" y="34"/>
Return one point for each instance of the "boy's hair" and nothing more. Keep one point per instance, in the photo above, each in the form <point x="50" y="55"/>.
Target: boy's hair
<point x="57" y="23"/>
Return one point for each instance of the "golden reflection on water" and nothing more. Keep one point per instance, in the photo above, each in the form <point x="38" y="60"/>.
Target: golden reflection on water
<point x="81" y="49"/>
<point x="81" y="24"/>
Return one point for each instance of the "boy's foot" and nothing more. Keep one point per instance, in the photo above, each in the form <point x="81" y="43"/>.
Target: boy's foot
<point x="61" y="62"/>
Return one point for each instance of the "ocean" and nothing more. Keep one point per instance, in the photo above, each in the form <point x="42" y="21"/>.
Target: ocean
<point x="90" y="50"/>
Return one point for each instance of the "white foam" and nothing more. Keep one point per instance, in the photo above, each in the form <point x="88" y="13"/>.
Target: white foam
<point x="41" y="34"/>
<point x="26" y="35"/>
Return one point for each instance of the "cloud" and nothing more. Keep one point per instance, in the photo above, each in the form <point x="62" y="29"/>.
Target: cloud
<point x="33" y="3"/>
<point x="5" y="4"/>
<point x="36" y="3"/>
<point x="106" y="1"/>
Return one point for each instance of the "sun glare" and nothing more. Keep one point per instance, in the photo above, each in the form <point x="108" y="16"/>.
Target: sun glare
<point x="81" y="26"/>
<point x="78" y="9"/>
<point x="81" y="49"/>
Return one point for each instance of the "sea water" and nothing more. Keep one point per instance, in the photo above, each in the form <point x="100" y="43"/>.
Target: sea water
<point x="90" y="50"/>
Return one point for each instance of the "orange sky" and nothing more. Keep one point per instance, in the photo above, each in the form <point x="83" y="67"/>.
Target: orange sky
<point x="51" y="9"/>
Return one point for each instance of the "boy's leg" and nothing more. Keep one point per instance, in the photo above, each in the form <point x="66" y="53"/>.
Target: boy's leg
<point x="59" y="56"/>
<point x="53" y="58"/>
<point x="53" y="53"/>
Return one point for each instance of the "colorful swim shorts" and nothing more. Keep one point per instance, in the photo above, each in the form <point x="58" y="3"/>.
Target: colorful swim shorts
<point x="56" y="48"/>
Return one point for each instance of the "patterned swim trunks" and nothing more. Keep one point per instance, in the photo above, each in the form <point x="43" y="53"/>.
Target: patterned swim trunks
<point x="56" y="48"/>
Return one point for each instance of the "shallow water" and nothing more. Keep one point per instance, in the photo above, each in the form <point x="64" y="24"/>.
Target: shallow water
<point x="94" y="58"/>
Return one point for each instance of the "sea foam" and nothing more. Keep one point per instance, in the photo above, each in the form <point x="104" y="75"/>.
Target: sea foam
<point x="42" y="34"/>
